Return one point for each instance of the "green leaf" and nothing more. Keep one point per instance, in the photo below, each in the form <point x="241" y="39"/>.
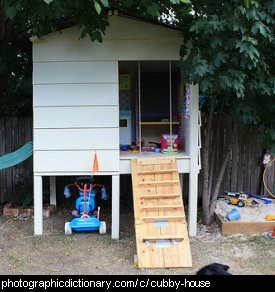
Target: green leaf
<point x="243" y="46"/>
<point x="186" y="1"/>
<point x="10" y="12"/>
<point x="217" y="41"/>
<point x="205" y="84"/>
<point x="153" y="10"/>
<point x="219" y="59"/>
<point x="253" y="41"/>
<point x="247" y="3"/>
<point x="201" y="67"/>
<point x="48" y="1"/>
<point x="105" y="3"/>
<point x="259" y="26"/>
<point x="97" y="7"/>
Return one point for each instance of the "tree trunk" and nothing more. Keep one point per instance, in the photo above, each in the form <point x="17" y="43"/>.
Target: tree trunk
<point x="205" y="162"/>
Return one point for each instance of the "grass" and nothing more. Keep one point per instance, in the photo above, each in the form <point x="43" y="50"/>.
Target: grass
<point x="260" y="240"/>
<point x="263" y="250"/>
<point x="62" y="237"/>
<point x="36" y="241"/>
<point x="106" y="239"/>
<point x="14" y="259"/>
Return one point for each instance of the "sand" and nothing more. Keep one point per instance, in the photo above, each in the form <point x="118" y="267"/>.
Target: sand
<point x="256" y="213"/>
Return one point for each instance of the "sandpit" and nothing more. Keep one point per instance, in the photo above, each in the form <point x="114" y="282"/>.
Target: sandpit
<point x="253" y="218"/>
<point x="255" y="213"/>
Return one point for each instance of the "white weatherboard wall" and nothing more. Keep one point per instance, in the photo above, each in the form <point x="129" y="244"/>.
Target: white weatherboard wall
<point x="72" y="119"/>
<point x="125" y="39"/>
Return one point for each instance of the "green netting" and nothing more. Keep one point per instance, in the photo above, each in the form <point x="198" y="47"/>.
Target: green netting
<point x="17" y="156"/>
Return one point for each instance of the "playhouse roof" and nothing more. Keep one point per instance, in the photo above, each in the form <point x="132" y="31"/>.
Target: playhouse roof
<point x="128" y="15"/>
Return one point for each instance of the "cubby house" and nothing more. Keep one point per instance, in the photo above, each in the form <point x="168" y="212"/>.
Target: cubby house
<point x="108" y="97"/>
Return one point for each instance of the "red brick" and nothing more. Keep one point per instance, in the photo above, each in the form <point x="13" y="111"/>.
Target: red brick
<point x="9" y="211"/>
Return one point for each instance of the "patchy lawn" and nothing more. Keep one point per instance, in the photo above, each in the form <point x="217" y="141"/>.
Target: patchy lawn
<point x="56" y="253"/>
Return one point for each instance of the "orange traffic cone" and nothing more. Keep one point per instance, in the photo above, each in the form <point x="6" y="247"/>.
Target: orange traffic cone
<point x="95" y="166"/>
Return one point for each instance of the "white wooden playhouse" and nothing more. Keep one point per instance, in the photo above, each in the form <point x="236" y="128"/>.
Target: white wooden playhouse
<point x="111" y="93"/>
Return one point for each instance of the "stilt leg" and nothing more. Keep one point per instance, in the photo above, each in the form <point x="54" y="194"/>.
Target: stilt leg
<point x="192" y="204"/>
<point x="115" y="206"/>
<point x="38" y="205"/>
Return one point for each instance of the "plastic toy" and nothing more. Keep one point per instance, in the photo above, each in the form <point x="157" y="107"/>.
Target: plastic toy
<point x="270" y="217"/>
<point x="266" y="201"/>
<point x="124" y="148"/>
<point x="87" y="219"/>
<point x="271" y="234"/>
<point x="234" y="214"/>
<point x="169" y="143"/>
<point x="240" y="199"/>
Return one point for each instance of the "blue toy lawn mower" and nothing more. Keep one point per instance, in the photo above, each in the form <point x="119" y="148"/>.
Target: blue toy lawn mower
<point x="86" y="217"/>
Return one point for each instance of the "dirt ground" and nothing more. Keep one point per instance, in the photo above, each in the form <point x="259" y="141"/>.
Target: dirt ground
<point x="91" y="253"/>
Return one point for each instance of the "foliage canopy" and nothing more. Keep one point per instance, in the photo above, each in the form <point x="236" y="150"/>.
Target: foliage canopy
<point x="231" y="57"/>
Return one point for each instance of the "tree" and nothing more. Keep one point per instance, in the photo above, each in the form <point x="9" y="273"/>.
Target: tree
<point x="231" y="58"/>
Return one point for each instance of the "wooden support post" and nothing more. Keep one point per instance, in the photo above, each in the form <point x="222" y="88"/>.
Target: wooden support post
<point x="53" y="191"/>
<point x="38" y="205"/>
<point x="194" y="161"/>
<point x="115" y="206"/>
<point x="192" y="204"/>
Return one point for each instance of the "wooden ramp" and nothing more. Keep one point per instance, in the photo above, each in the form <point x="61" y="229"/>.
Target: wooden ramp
<point x="161" y="229"/>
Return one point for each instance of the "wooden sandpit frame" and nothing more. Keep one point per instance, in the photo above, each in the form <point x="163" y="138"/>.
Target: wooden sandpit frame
<point x="244" y="227"/>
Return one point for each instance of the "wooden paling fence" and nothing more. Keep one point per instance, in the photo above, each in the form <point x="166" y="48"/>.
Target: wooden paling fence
<point x="14" y="133"/>
<point x="244" y="170"/>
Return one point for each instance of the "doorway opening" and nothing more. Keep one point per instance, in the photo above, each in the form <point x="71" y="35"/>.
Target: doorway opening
<point x="150" y="100"/>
